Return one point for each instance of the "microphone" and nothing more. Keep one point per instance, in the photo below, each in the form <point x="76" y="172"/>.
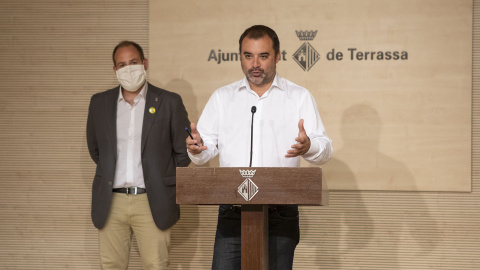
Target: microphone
<point x="253" y="110"/>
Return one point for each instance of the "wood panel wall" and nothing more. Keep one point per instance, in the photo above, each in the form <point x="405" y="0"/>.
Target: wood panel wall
<point x="55" y="54"/>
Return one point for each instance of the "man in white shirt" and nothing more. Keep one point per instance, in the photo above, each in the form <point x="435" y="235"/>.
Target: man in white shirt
<point x="286" y="126"/>
<point x="136" y="136"/>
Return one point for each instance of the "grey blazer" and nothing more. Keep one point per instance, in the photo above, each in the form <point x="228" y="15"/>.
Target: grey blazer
<point x="163" y="149"/>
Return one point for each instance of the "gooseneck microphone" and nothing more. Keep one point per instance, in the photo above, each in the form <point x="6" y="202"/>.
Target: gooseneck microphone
<point x="253" y="110"/>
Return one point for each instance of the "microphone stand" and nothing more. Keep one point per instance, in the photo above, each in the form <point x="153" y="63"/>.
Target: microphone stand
<point x="254" y="109"/>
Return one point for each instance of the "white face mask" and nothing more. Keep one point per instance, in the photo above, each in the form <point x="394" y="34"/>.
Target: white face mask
<point x="131" y="77"/>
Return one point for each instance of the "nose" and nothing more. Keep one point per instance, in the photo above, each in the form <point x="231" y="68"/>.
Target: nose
<point x="256" y="62"/>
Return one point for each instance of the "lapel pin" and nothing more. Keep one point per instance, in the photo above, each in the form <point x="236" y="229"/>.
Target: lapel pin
<point x="156" y="98"/>
<point x="151" y="110"/>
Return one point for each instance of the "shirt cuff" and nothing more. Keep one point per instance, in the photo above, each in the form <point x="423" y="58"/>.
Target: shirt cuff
<point x="313" y="150"/>
<point x="197" y="159"/>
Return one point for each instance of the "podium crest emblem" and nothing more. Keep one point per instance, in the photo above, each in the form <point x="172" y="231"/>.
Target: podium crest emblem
<point x="248" y="189"/>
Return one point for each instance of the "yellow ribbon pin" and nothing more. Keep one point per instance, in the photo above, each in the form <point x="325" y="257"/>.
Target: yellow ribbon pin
<point x="151" y="110"/>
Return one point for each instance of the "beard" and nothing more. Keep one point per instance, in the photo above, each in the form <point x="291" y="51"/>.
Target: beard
<point x="264" y="78"/>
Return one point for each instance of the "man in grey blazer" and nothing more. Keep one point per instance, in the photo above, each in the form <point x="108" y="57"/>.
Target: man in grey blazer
<point x="136" y="136"/>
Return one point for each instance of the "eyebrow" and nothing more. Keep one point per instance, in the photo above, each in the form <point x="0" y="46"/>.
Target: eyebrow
<point x="263" y="53"/>
<point x="128" y="61"/>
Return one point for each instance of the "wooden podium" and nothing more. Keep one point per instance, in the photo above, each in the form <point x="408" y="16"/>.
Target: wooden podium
<point x="253" y="188"/>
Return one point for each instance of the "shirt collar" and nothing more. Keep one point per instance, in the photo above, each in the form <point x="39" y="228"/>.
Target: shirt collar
<point x="142" y="93"/>
<point x="275" y="84"/>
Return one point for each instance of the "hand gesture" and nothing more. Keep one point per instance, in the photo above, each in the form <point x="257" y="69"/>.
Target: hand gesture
<point x="303" y="142"/>
<point x="195" y="146"/>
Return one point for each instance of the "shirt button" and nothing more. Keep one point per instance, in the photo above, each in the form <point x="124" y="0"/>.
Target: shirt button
<point x="110" y="183"/>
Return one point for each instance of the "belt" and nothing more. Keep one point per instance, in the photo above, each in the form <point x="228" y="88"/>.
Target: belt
<point x="238" y="208"/>
<point x="130" y="190"/>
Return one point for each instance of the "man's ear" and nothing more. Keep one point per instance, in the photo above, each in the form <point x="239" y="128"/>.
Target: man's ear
<point x="145" y="63"/>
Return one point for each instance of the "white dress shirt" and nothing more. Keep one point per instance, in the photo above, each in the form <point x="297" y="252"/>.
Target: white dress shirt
<point x="225" y="126"/>
<point x="128" y="171"/>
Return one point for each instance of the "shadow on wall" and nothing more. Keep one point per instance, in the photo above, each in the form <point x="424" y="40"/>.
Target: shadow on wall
<point x="350" y="235"/>
<point x="360" y="130"/>
<point x="186" y="234"/>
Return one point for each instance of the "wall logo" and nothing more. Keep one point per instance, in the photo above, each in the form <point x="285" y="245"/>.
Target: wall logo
<point x="306" y="56"/>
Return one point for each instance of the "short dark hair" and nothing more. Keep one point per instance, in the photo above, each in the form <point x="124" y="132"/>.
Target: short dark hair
<point x="259" y="31"/>
<point x="127" y="43"/>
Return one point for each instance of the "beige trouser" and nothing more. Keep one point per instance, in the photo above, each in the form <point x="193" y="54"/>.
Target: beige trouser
<point x="130" y="214"/>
